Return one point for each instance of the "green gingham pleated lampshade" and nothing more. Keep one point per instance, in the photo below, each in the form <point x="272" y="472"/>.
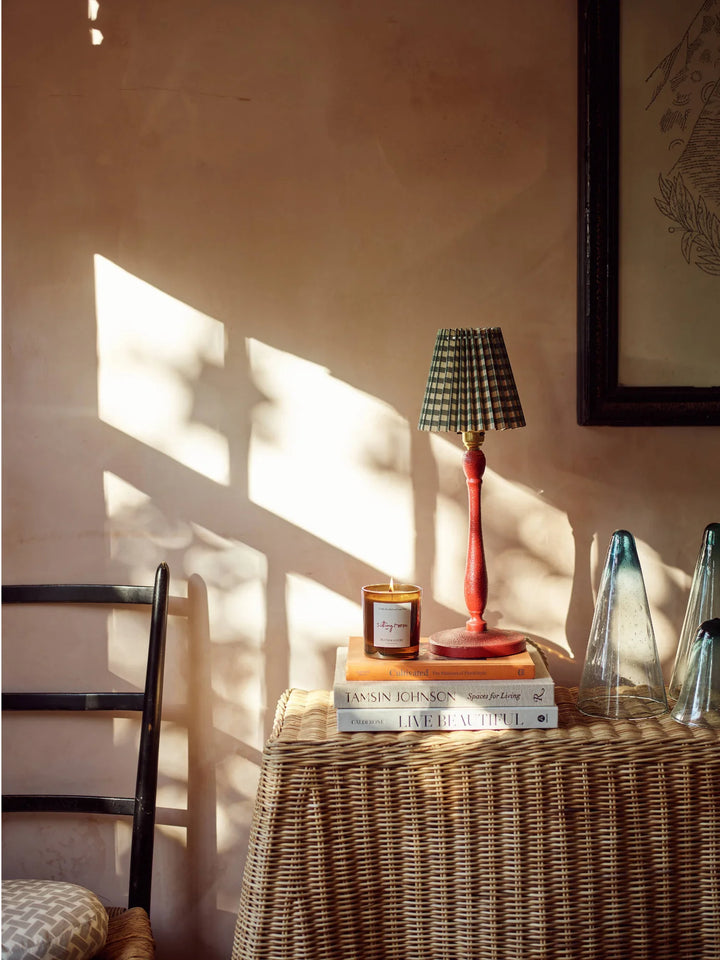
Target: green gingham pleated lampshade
<point x="470" y="386"/>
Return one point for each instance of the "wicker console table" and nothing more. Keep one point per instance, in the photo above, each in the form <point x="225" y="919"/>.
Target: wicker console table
<point x="595" y="840"/>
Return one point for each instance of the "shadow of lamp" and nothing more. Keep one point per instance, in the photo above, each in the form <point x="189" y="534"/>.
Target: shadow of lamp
<point x="470" y="390"/>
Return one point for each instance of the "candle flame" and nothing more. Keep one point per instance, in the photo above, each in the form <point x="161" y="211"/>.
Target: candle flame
<point x="392" y="585"/>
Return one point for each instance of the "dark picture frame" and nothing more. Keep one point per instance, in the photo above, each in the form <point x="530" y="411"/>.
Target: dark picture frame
<point x="601" y="399"/>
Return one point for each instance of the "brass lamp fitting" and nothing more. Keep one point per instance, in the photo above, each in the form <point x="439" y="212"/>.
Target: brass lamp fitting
<point x="473" y="439"/>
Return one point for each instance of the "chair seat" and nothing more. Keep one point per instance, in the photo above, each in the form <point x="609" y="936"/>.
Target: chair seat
<point x="49" y="918"/>
<point x="129" y="935"/>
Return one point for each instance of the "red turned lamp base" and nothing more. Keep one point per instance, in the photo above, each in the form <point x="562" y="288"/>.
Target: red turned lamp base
<point x="468" y="645"/>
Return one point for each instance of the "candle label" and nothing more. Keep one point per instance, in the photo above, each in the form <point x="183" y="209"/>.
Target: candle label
<point x="391" y="623"/>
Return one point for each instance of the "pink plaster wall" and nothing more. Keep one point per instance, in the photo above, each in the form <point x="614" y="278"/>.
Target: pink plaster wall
<point x="335" y="179"/>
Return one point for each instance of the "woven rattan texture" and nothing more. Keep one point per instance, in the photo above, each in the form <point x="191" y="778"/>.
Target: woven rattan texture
<point x="129" y="936"/>
<point x="596" y="840"/>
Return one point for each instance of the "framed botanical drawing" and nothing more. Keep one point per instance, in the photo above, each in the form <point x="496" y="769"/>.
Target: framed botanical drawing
<point x="649" y="212"/>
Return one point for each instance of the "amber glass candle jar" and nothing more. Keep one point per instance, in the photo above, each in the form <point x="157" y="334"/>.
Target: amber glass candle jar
<point x="391" y="620"/>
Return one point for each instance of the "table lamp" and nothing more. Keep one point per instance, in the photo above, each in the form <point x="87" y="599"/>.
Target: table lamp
<point x="471" y="389"/>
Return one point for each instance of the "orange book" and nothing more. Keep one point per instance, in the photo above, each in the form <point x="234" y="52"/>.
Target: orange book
<point x="429" y="666"/>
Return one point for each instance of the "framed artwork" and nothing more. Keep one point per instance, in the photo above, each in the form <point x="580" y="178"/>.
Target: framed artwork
<point x="649" y="212"/>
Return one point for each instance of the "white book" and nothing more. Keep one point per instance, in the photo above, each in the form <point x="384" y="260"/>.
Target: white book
<point x="359" y="720"/>
<point x="422" y="694"/>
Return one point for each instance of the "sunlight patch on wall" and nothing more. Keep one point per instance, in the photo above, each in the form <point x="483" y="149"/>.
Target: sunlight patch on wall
<point x="319" y="620"/>
<point x="532" y="549"/>
<point x="131" y="520"/>
<point x="331" y="460"/>
<point x="140" y="534"/>
<point x="235" y="576"/>
<point x="121" y="496"/>
<point x="96" y="37"/>
<point x="153" y="351"/>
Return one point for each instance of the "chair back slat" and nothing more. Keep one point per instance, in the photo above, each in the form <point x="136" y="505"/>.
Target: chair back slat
<point x="68" y="803"/>
<point x="106" y="593"/>
<point x="141" y="807"/>
<point x="117" y="702"/>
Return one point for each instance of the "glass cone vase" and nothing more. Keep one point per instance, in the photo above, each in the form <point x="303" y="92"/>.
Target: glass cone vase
<point x="622" y="678"/>
<point x="698" y="704"/>
<point x="703" y="602"/>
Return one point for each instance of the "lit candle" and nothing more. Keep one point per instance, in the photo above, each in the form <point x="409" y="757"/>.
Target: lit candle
<point x="391" y="620"/>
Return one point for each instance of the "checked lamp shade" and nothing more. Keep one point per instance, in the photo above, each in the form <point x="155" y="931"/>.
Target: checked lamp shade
<point x="470" y="386"/>
<point x="471" y="389"/>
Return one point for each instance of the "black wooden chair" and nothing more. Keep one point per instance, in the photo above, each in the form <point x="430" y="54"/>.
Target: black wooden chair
<point x="128" y="932"/>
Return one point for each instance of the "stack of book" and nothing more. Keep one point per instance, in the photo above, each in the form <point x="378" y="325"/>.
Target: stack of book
<point x="441" y="693"/>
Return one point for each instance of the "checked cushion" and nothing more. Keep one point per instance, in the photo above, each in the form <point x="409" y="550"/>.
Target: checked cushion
<point x="50" y="920"/>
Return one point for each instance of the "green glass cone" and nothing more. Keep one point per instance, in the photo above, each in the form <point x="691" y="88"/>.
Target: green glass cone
<point x="703" y="602"/>
<point x="698" y="703"/>
<point x="622" y="677"/>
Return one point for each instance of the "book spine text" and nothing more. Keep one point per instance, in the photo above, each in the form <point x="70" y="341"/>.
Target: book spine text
<point x="471" y="694"/>
<point x="351" y="720"/>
